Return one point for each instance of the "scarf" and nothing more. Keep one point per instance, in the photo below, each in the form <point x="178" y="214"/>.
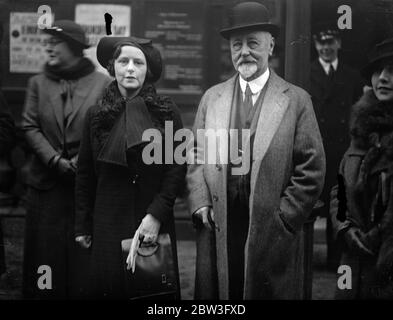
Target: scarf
<point x="79" y="70"/>
<point x="372" y="130"/>
<point x="116" y="130"/>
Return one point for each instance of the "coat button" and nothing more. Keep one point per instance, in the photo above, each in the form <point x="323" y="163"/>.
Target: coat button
<point x="134" y="179"/>
<point x="215" y="198"/>
<point x="218" y="167"/>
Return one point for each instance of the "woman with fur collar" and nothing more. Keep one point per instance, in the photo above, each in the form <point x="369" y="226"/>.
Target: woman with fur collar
<point x="363" y="214"/>
<point x="117" y="191"/>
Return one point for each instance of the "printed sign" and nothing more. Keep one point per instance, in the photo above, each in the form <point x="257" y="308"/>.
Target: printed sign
<point x="27" y="43"/>
<point x="92" y="19"/>
<point x="176" y="30"/>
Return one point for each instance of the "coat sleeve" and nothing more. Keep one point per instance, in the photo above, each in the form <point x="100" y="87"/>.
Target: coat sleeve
<point x="7" y="127"/>
<point x="198" y="191"/>
<point x="85" y="183"/>
<point x="338" y="205"/>
<point x="32" y="127"/>
<point x="173" y="180"/>
<point x="307" y="180"/>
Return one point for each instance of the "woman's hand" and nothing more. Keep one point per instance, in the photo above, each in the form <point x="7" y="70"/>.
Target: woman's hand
<point x="65" y="166"/>
<point x="84" y="241"/>
<point x="149" y="229"/>
<point x="353" y="236"/>
<point x="147" y="233"/>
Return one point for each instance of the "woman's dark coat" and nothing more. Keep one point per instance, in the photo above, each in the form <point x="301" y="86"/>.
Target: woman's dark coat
<point x="365" y="196"/>
<point x="115" y="189"/>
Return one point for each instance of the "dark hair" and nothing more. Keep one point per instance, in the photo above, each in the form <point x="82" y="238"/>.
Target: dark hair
<point x="111" y="63"/>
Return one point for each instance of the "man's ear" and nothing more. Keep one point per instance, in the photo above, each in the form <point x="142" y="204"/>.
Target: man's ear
<point x="339" y="43"/>
<point x="272" y="44"/>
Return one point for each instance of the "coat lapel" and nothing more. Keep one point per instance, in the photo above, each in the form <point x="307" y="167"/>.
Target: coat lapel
<point x="222" y="107"/>
<point x="79" y="96"/>
<point x="273" y="109"/>
<point x="57" y="103"/>
<point x="222" y="115"/>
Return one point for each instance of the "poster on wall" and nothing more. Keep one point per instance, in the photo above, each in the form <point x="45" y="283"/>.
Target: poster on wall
<point x="27" y="43"/>
<point x="177" y="31"/>
<point x="92" y="19"/>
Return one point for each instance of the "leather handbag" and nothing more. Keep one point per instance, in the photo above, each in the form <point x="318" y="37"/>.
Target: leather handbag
<point x="155" y="275"/>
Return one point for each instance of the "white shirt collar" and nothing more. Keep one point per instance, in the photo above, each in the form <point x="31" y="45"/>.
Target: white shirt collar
<point x="326" y="65"/>
<point x="257" y="84"/>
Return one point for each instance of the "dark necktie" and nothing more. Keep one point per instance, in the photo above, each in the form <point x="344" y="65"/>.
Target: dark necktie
<point x="247" y="100"/>
<point x="331" y="72"/>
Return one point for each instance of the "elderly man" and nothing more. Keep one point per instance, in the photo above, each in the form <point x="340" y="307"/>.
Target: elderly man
<point x="335" y="87"/>
<point x="249" y="225"/>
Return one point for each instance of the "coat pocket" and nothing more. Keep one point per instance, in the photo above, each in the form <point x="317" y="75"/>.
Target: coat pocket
<point x="279" y="218"/>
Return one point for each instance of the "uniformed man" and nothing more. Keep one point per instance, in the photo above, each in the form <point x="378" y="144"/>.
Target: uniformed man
<point x="335" y="87"/>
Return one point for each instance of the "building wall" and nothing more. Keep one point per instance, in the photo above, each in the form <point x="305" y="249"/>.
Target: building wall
<point x="191" y="65"/>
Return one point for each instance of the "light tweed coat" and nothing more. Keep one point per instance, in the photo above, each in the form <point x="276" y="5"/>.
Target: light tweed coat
<point x="287" y="175"/>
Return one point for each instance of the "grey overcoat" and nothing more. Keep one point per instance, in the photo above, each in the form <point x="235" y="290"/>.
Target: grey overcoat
<point x="287" y="176"/>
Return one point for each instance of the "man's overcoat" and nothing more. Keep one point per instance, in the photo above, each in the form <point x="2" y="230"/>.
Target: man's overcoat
<point x="287" y="175"/>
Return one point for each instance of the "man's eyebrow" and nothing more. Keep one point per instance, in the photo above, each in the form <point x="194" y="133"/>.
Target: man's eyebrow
<point x="252" y="37"/>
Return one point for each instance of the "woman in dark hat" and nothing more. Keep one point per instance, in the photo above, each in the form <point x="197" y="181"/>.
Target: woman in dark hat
<point x="117" y="190"/>
<point x="363" y="215"/>
<point x="56" y="103"/>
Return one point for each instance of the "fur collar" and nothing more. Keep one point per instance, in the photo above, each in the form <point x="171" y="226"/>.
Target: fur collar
<point x="372" y="122"/>
<point x="372" y="131"/>
<point x="113" y="104"/>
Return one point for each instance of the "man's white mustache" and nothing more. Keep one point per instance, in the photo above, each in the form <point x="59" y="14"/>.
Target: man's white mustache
<point x="245" y="61"/>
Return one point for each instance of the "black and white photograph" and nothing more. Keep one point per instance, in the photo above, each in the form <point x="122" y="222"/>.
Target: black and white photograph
<point x="191" y="156"/>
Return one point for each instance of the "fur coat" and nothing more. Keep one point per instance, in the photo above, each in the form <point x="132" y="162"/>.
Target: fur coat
<point x="365" y="197"/>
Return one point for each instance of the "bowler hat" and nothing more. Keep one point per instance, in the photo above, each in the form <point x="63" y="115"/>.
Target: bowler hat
<point x="69" y="31"/>
<point x="107" y="45"/>
<point x="382" y="52"/>
<point x="249" y="15"/>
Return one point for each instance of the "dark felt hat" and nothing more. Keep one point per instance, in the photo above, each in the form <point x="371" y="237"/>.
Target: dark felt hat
<point x="107" y="46"/>
<point x="382" y="52"/>
<point x="249" y="15"/>
<point x="69" y="31"/>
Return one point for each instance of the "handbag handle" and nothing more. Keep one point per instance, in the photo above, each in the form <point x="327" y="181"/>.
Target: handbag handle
<point x="148" y="251"/>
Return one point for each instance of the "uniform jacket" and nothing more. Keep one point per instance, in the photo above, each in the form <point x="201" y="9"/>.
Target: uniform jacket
<point x="287" y="175"/>
<point x="43" y="120"/>
<point x="332" y="104"/>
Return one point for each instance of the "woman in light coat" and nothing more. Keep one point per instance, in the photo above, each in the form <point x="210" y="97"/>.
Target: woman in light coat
<point x="56" y="104"/>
